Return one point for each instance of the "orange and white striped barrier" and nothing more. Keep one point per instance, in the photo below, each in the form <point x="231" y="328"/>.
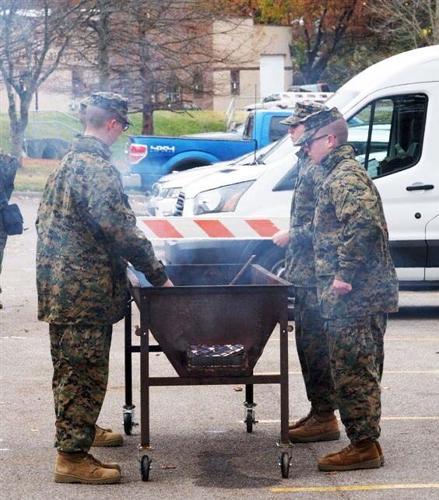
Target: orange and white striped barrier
<point x="203" y="228"/>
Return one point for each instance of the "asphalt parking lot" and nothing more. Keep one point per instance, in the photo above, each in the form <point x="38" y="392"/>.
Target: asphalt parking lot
<point x="200" y="446"/>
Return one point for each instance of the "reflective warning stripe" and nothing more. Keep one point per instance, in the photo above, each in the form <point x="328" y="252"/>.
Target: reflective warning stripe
<point x="205" y="228"/>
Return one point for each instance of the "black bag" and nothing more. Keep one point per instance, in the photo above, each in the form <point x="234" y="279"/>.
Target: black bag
<point x="12" y="219"/>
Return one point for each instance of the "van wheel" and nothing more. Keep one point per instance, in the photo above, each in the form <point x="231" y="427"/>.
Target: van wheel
<point x="273" y="260"/>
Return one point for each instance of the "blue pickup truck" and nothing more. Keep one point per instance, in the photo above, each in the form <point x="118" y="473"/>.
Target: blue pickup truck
<point x="151" y="157"/>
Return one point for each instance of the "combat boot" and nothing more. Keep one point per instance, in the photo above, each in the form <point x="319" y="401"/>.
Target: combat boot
<point x="106" y="437"/>
<point x="380" y="452"/>
<point x="316" y="428"/>
<point x="301" y="421"/>
<point x="83" y="468"/>
<point x="107" y="465"/>
<point x="361" y="455"/>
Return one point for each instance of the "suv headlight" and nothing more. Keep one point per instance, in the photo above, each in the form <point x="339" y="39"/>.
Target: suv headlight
<point x="222" y="199"/>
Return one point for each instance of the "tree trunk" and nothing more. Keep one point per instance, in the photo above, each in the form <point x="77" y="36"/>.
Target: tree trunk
<point x="147" y="119"/>
<point x="103" y="56"/>
<point x="17" y="140"/>
<point x="18" y="124"/>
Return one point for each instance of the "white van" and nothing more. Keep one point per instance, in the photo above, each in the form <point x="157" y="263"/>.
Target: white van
<point x="392" y="109"/>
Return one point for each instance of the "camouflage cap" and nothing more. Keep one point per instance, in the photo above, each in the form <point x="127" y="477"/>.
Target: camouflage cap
<point x="111" y="102"/>
<point x="316" y="121"/>
<point x="301" y="111"/>
<point x="84" y="103"/>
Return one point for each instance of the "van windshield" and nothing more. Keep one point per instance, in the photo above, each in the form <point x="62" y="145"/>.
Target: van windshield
<point x="341" y="98"/>
<point x="258" y="154"/>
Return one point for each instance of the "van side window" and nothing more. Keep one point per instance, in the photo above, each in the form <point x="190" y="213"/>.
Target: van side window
<point x="277" y="129"/>
<point x="387" y="134"/>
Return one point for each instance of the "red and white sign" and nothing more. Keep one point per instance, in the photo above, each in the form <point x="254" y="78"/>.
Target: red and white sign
<point x="220" y="228"/>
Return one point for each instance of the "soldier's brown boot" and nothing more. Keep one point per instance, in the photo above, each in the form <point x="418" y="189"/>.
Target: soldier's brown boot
<point x="361" y="455"/>
<point x="83" y="468"/>
<point x="107" y="465"/>
<point x="380" y="452"/>
<point x="106" y="437"/>
<point x="316" y="428"/>
<point x="301" y="421"/>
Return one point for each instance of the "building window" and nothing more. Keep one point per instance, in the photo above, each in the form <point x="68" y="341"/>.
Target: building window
<point x="234" y="82"/>
<point x="198" y="84"/>
<point x="78" y="86"/>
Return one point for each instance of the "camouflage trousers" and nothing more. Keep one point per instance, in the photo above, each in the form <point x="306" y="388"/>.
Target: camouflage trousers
<point x="312" y="349"/>
<point x="3" y="238"/>
<point x="80" y="357"/>
<point x="356" y="347"/>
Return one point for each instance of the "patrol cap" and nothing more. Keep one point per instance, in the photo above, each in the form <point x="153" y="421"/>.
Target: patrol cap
<point x="301" y="111"/>
<point x="111" y="102"/>
<point x="84" y="103"/>
<point x="316" y="121"/>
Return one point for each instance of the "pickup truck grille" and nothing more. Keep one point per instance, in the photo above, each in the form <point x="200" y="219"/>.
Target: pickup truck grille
<point x="179" y="204"/>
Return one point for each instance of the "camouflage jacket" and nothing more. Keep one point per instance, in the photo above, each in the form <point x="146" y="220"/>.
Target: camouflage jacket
<point x="300" y="270"/>
<point x="351" y="241"/>
<point x="86" y="234"/>
<point x="8" y="169"/>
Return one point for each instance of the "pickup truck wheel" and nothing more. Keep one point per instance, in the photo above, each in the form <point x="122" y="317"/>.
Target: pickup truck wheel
<point x="192" y="164"/>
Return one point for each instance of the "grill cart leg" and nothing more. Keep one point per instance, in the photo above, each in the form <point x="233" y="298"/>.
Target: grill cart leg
<point x="145" y="460"/>
<point x="285" y="458"/>
<point x="250" y="416"/>
<point x="144" y="382"/>
<point x="128" y="409"/>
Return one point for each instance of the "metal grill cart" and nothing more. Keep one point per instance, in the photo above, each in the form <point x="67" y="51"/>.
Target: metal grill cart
<point x="212" y="333"/>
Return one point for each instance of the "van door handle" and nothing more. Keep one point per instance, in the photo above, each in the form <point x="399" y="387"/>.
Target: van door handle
<point x="420" y="187"/>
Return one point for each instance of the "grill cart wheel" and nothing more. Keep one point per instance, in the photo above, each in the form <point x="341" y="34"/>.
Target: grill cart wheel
<point x="285" y="462"/>
<point x="145" y="467"/>
<point x="249" y="420"/>
<point x="127" y="423"/>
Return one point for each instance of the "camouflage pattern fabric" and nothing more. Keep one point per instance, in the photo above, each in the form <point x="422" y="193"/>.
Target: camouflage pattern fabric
<point x="86" y="234"/>
<point x="301" y="111"/>
<point x="299" y="258"/>
<point x="80" y="355"/>
<point x="8" y="168"/>
<point x="356" y="351"/>
<point x="312" y="349"/>
<point x="316" y="121"/>
<point x="111" y="102"/>
<point x="351" y="241"/>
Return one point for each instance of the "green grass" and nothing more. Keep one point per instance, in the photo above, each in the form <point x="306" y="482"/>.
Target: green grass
<point x="33" y="175"/>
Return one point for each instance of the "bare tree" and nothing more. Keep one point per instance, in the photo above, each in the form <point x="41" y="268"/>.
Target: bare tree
<point x="154" y="51"/>
<point x="407" y="24"/>
<point x="33" y="37"/>
<point x="323" y="31"/>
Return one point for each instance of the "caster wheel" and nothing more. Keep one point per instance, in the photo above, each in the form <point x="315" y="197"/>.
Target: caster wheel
<point x="249" y="421"/>
<point x="145" y="467"/>
<point x="128" y="423"/>
<point x="284" y="463"/>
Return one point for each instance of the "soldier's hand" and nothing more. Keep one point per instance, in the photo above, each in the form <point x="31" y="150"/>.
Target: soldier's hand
<point x="168" y="284"/>
<point x="281" y="238"/>
<point x="341" y="287"/>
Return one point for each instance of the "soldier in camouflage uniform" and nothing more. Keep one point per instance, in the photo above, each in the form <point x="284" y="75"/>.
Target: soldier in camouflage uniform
<point x="86" y="235"/>
<point x="357" y="286"/>
<point x="320" y="424"/>
<point x="8" y="169"/>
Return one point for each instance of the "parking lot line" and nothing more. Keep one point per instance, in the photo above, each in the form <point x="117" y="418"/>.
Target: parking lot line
<point x="433" y="418"/>
<point x="354" y="487"/>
